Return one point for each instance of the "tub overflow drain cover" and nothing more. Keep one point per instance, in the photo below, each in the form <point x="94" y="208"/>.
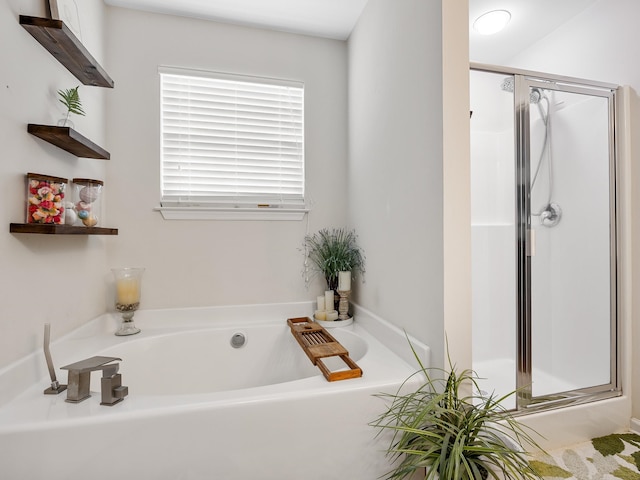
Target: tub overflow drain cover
<point x="238" y="340"/>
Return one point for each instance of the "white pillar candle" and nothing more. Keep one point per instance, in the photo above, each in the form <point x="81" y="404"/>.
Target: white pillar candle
<point x="128" y="291"/>
<point x="332" y="315"/>
<point x="320" y="315"/>
<point x="344" y="281"/>
<point x="328" y="300"/>
<point x="320" y="302"/>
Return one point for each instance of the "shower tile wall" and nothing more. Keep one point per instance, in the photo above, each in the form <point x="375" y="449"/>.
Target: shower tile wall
<point x="493" y="246"/>
<point x="493" y="233"/>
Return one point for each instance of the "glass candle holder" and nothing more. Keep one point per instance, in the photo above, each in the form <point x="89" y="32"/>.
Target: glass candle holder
<point x="128" y="288"/>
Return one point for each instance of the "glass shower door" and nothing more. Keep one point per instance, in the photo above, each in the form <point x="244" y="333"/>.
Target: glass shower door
<point x="543" y="211"/>
<point x="570" y="242"/>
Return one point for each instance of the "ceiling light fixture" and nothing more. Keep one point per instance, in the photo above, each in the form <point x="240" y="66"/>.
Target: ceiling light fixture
<point x="492" y="22"/>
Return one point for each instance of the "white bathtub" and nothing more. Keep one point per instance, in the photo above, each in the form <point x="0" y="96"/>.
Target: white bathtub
<point x="199" y="408"/>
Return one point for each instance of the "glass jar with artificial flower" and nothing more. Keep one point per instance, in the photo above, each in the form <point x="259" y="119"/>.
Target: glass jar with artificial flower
<point x="45" y="199"/>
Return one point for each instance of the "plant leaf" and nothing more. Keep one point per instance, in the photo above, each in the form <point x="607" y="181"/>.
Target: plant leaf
<point x="70" y="98"/>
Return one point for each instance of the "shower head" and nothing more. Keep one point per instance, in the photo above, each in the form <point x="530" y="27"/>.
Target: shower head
<point x="508" y="85"/>
<point x="535" y="95"/>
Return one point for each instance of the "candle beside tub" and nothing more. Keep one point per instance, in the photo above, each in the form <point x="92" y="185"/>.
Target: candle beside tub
<point x="128" y="291"/>
<point x="128" y="286"/>
<point x="344" y="281"/>
<point x="325" y="311"/>
<point x="329" y="301"/>
<point x="332" y="315"/>
<point x="325" y="307"/>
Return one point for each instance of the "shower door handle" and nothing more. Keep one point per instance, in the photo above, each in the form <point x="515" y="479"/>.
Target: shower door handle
<point x="531" y="243"/>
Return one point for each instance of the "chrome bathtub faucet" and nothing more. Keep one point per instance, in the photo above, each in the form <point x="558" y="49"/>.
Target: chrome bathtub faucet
<point x="80" y="378"/>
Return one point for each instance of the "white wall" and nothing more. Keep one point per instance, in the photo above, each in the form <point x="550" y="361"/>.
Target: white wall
<point x="456" y="182"/>
<point x="596" y="44"/>
<point x="395" y="163"/>
<point x="45" y="278"/>
<point x="194" y="263"/>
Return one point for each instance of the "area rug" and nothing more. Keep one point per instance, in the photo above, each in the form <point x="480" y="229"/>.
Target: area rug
<point x="611" y="457"/>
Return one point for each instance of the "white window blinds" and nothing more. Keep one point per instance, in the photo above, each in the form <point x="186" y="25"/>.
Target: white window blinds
<point x="231" y="140"/>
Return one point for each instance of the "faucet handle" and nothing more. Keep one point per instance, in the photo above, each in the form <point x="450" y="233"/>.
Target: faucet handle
<point x="112" y="390"/>
<point x="120" y="392"/>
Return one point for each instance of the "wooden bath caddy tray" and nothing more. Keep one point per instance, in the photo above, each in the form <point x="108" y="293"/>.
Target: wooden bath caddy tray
<point x="317" y="343"/>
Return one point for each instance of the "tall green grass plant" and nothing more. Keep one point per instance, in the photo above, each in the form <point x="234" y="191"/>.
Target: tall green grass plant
<point x="333" y="251"/>
<point x="455" y="436"/>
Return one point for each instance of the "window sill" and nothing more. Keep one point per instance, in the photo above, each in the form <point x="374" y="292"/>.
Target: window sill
<point x="232" y="213"/>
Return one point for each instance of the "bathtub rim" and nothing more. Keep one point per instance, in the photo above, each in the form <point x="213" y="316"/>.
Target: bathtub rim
<point x="386" y="379"/>
<point x="20" y="375"/>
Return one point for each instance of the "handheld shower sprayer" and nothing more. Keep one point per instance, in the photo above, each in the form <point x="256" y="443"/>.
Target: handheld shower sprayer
<point x="55" y="387"/>
<point x="551" y="213"/>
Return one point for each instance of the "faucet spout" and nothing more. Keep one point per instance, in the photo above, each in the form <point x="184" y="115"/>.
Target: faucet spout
<point x="79" y="381"/>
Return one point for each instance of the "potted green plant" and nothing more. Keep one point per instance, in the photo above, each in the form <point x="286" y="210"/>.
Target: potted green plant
<point x="454" y="436"/>
<point x="333" y="251"/>
<point x="70" y="99"/>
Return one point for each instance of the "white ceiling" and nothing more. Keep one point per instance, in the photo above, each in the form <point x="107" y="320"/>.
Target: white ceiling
<point x="530" y="19"/>
<point x="323" y="18"/>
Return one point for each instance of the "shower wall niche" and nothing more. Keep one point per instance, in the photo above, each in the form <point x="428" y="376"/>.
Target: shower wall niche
<point x="543" y="238"/>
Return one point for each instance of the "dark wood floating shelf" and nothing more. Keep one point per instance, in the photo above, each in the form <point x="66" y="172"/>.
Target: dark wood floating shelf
<point x="68" y="139"/>
<point x="50" y="229"/>
<point x="60" y="41"/>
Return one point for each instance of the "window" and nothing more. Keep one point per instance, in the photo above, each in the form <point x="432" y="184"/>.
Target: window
<point x="230" y="141"/>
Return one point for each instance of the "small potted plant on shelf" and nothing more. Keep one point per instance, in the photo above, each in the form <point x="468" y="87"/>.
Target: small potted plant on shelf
<point x="70" y="99"/>
<point x="454" y="436"/>
<point x="333" y="251"/>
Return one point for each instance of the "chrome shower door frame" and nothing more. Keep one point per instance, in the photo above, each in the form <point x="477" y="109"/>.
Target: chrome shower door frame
<point x="524" y="81"/>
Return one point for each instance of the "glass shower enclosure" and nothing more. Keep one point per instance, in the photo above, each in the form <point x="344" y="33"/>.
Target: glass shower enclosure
<point x="543" y="191"/>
